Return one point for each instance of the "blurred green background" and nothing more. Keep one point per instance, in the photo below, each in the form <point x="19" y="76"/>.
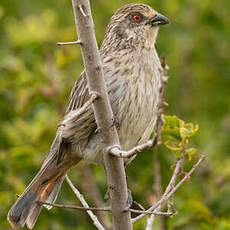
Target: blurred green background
<point x="36" y="77"/>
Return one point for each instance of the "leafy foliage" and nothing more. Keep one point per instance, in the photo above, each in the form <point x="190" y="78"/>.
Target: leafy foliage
<point x="36" y="78"/>
<point x="177" y="135"/>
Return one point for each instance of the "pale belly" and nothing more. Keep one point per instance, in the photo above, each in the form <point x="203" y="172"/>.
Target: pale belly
<point x="139" y="136"/>
<point x="133" y="130"/>
<point x="138" y="115"/>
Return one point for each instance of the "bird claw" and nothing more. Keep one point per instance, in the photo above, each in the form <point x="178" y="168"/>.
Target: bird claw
<point x="106" y="196"/>
<point x="116" y="122"/>
<point x="129" y="199"/>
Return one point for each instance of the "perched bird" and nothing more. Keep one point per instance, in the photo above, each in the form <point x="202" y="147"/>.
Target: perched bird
<point x="132" y="74"/>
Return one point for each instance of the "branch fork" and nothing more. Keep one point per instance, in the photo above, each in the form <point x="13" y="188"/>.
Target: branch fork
<point x="172" y="188"/>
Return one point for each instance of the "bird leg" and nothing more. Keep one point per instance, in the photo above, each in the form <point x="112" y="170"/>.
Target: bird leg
<point x="129" y="200"/>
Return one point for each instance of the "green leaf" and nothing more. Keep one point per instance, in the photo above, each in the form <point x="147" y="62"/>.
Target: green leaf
<point x="175" y="147"/>
<point x="177" y="128"/>
<point x="172" y="126"/>
<point x="190" y="152"/>
<point x="172" y="121"/>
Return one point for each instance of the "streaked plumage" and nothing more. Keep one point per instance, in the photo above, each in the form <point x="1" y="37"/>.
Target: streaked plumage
<point x="132" y="75"/>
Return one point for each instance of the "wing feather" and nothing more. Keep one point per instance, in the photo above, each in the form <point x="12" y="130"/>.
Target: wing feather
<point x="76" y="132"/>
<point x="79" y="94"/>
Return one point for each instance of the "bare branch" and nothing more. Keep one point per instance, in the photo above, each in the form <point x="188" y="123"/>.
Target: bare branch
<point x="90" y="187"/>
<point x="169" y="187"/>
<point x="137" y="149"/>
<point x="174" y="176"/>
<point x="78" y="112"/>
<point x="101" y="209"/>
<point x="151" y="212"/>
<point x="115" y="171"/>
<point x="169" y="194"/>
<point x="166" y="196"/>
<point x="158" y="128"/>
<point x="161" y="104"/>
<point x="139" y="205"/>
<point x="78" y="42"/>
<point x="151" y="219"/>
<point x="84" y="203"/>
<point x="158" y="190"/>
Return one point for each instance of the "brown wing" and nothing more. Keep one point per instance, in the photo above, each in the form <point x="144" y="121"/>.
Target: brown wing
<point x="79" y="94"/>
<point x="78" y="130"/>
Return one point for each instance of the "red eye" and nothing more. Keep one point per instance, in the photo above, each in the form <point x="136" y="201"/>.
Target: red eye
<point x="136" y="18"/>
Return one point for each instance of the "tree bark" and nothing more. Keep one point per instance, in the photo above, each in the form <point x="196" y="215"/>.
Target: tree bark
<point x="115" y="171"/>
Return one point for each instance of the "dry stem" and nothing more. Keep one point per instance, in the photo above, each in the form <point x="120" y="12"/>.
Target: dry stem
<point x="78" y="42"/>
<point x="115" y="171"/>
<point x="89" y="187"/>
<point x="78" y="112"/>
<point x="171" y="190"/>
<point x="85" y="205"/>
<point x="159" y="124"/>
<point x="101" y="209"/>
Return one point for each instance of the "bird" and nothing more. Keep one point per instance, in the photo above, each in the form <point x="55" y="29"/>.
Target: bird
<point x="132" y="74"/>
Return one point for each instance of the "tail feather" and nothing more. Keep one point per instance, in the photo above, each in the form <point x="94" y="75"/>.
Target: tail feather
<point x="49" y="195"/>
<point x="54" y="193"/>
<point x="44" y="187"/>
<point x="33" y="215"/>
<point x="20" y="209"/>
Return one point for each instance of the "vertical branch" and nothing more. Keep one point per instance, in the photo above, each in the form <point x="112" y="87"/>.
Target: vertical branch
<point x="116" y="178"/>
<point x="159" y="124"/>
<point x="158" y="184"/>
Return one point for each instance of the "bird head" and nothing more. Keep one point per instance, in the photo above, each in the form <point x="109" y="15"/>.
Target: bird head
<point x="133" y="25"/>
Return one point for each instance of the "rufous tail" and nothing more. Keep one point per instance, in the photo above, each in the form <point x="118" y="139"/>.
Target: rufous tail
<point x="44" y="188"/>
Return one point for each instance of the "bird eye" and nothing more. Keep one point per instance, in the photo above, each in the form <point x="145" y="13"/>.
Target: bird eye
<point x="136" y="18"/>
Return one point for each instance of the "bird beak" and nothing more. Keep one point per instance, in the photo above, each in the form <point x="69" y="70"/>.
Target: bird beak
<point x="159" y="19"/>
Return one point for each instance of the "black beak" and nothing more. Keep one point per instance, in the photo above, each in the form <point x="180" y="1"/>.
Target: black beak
<point x="159" y="19"/>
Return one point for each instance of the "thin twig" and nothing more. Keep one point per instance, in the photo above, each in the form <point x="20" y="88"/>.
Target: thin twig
<point x="151" y="212"/>
<point x="158" y="129"/>
<point x="169" y="187"/>
<point x="172" y="182"/>
<point x="84" y="203"/>
<point x="161" y="104"/>
<point x="90" y="187"/>
<point x="139" y="205"/>
<point x="172" y="191"/>
<point x="78" y="42"/>
<point x="137" y="149"/>
<point x="158" y="190"/>
<point x="102" y="209"/>
<point x="75" y="113"/>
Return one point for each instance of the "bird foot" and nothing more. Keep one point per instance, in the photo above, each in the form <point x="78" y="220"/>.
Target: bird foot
<point x="129" y="200"/>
